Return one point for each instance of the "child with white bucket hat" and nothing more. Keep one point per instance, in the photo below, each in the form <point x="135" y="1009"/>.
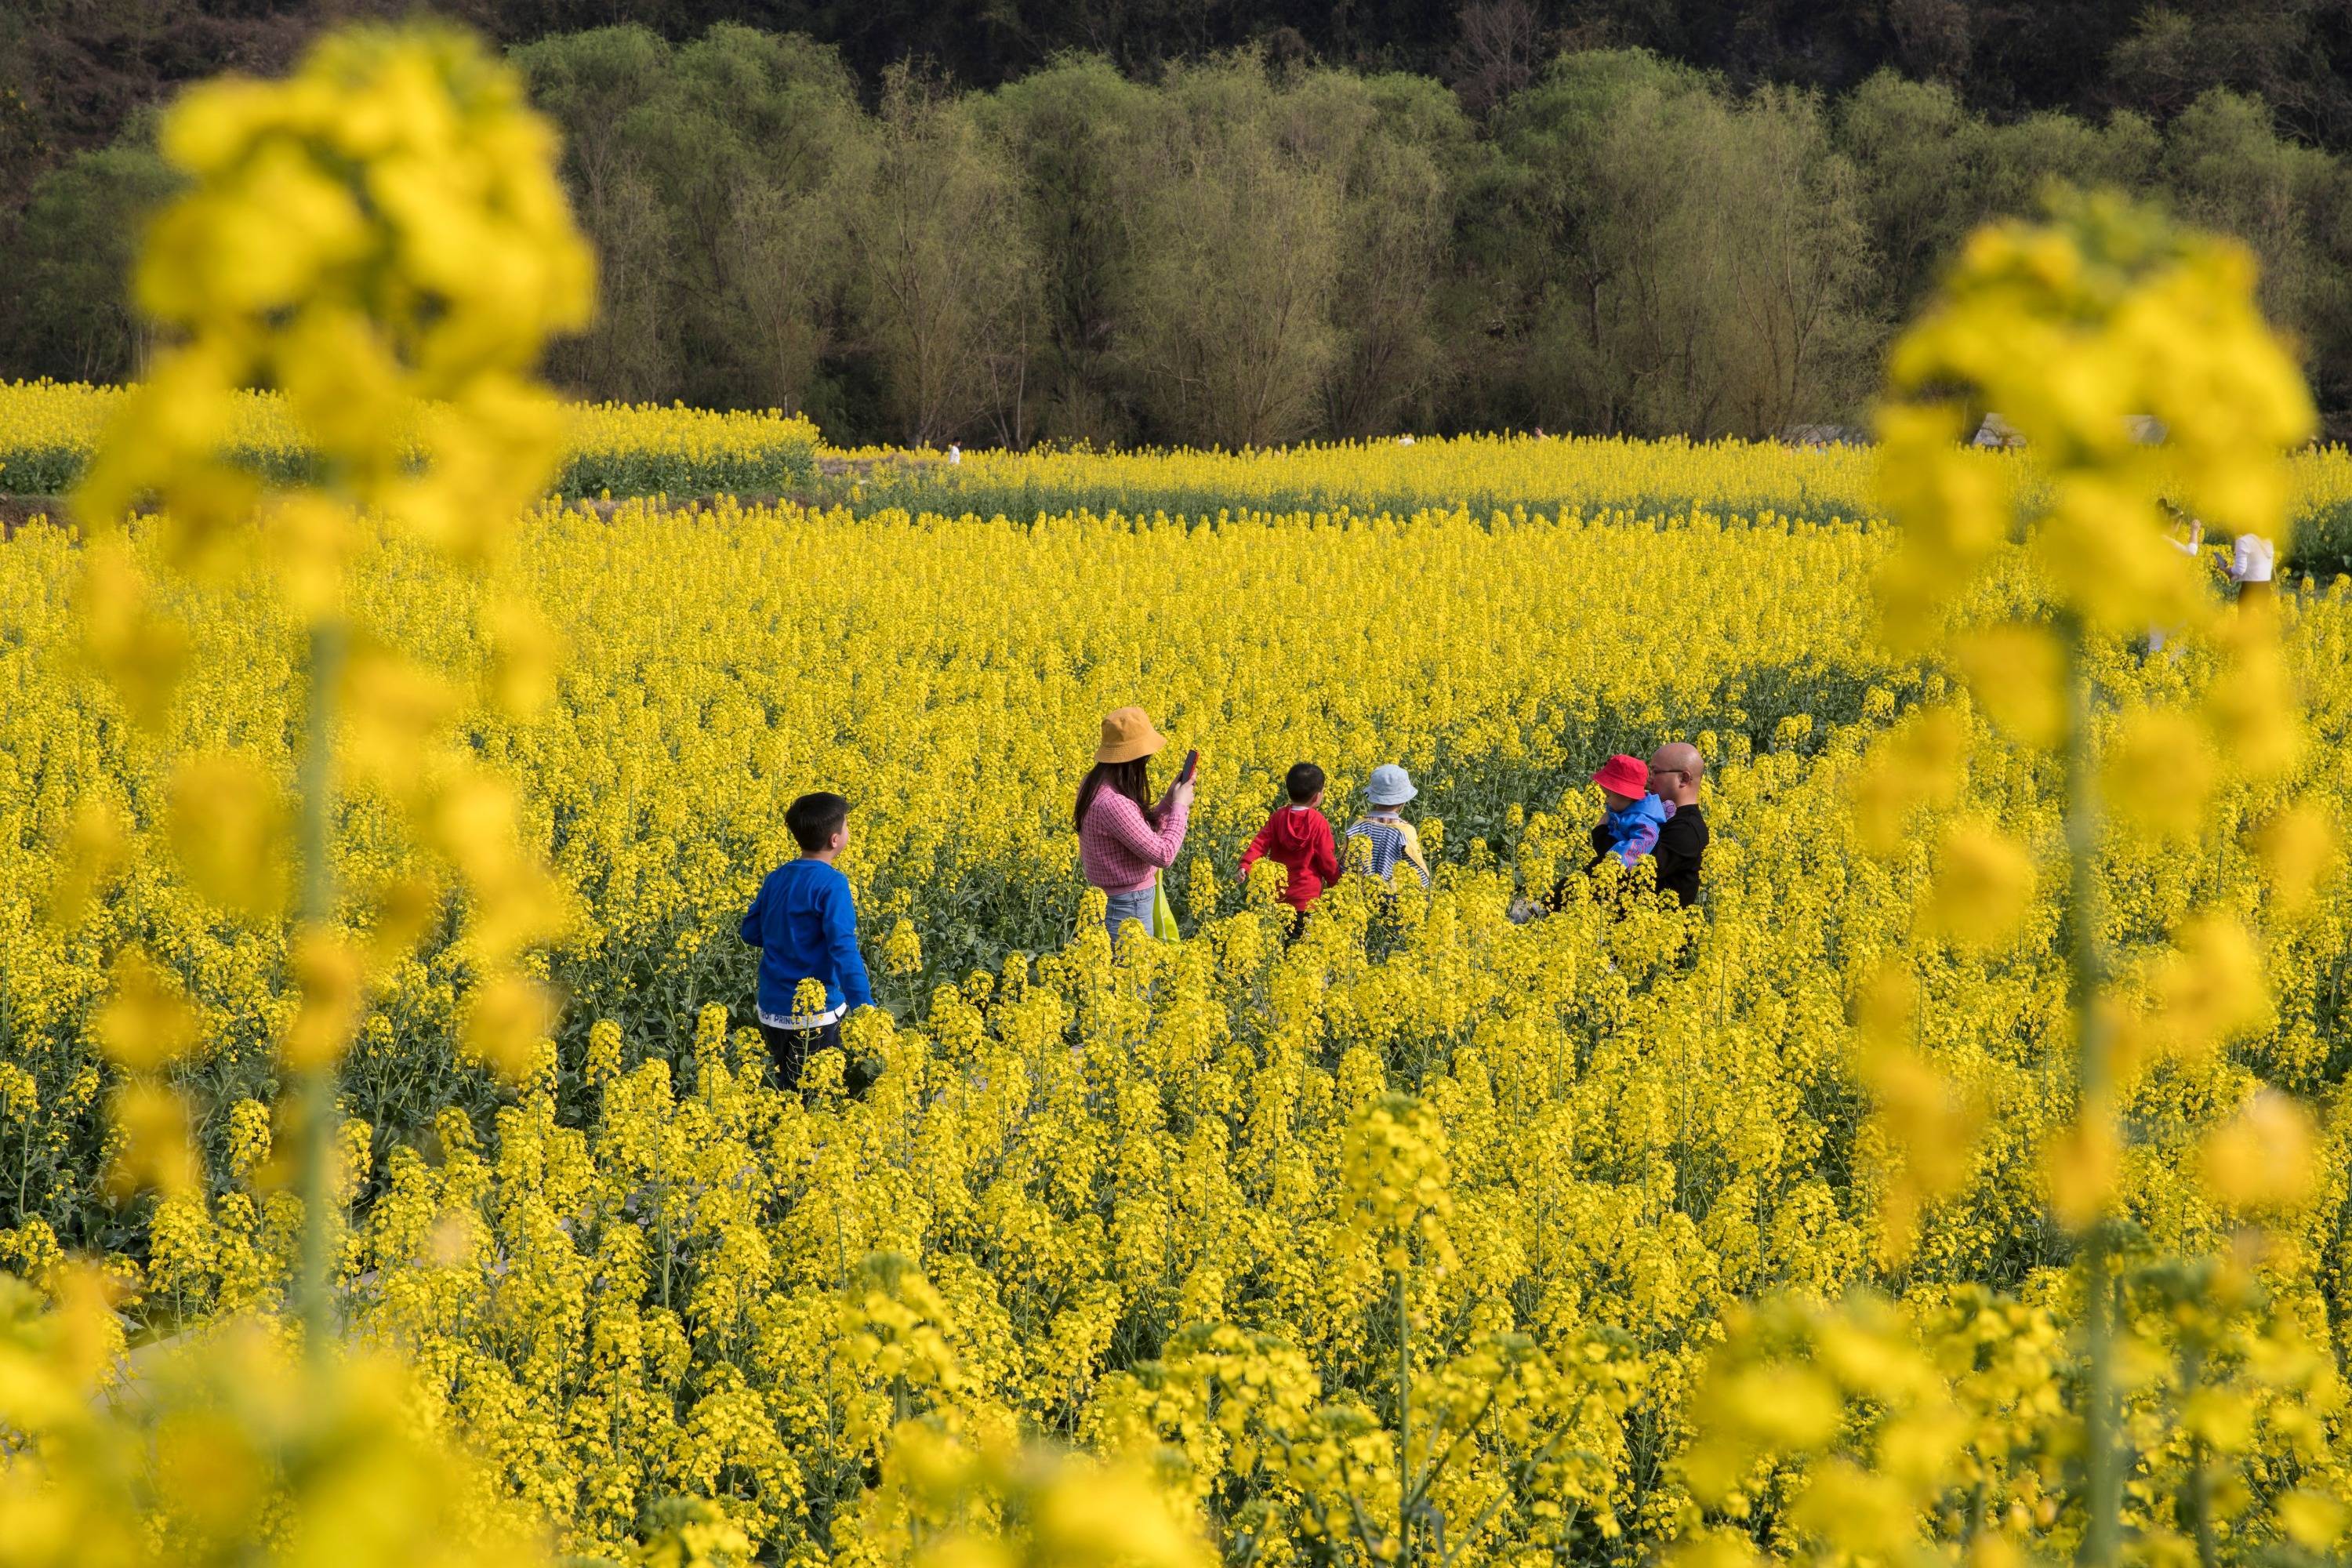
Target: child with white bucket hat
<point x="1388" y="838"/>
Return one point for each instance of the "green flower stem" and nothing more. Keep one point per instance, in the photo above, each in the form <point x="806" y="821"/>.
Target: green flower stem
<point x="2102" y="1416"/>
<point x="1404" y="1423"/>
<point x="315" y="1087"/>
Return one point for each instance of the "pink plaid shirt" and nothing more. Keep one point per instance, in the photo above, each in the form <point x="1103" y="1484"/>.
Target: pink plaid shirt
<point x="1119" y="850"/>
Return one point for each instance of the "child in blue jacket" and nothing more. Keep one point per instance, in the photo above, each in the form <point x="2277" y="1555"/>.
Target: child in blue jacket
<point x="805" y="923"/>
<point x="1629" y="827"/>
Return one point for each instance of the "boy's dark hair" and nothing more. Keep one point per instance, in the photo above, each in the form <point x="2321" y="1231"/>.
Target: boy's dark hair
<point x="815" y="819"/>
<point x="1303" y="781"/>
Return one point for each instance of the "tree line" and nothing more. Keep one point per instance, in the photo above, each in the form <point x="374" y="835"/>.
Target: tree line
<point x="1245" y="250"/>
<point x="73" y="71"/>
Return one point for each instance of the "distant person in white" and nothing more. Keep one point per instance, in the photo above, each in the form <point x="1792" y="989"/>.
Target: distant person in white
<point x="2159" y="636"/>
<point x="2250" y="568"/>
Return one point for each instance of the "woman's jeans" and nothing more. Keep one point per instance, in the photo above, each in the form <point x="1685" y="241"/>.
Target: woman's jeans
<point x="1125" y="907"/>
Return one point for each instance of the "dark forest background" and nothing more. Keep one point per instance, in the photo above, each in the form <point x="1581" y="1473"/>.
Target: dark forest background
<point x="1157" y="221"/>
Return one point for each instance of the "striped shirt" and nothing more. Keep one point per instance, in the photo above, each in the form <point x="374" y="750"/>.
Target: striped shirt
<point x="1119" y="850"/>
<point x="1390" y="840"/>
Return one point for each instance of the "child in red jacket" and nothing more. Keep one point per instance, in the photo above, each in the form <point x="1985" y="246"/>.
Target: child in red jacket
<point x="1297" y="838"/>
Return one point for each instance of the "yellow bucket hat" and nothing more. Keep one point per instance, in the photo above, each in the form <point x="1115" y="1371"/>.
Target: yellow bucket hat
<point x="1128" y="734"/>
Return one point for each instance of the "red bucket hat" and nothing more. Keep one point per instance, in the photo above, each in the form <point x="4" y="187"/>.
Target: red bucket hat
<point x="1622" y="775"/>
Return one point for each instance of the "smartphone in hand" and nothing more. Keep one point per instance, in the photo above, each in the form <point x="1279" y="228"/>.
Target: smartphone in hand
<point x="1191" y="765"/>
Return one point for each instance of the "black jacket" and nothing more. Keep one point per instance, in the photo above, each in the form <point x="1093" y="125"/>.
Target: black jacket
<point x="1682" y="845"/>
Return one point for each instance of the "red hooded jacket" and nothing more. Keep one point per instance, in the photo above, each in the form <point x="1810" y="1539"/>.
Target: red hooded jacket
<point x="1297" y="838"/>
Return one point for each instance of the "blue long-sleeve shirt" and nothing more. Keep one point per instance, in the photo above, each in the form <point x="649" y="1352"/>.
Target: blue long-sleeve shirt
<point x="804" y="925"/>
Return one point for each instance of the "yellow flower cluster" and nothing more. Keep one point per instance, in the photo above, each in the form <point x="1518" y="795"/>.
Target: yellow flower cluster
<point x="1878" y="1430"/>
<point x="171" y="1457"/>
<point x="381" y="230"/>
<point x="382" y="227"/>
<point x="2073" y="324"/>
<point x="48" y="430"/>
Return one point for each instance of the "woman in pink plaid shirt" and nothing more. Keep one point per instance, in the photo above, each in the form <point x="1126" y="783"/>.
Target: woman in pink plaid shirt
<point x="1124" y="840"/>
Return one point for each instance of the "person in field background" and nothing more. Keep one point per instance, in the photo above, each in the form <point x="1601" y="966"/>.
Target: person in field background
<point x="1676" y="770"/>
<point x="1629" y="817"/>
<point x="1650" y="811"/>
<point x="1125" y="839"/>
<point x="805" y="923"/>
<point x="2252" y="561"/>
<point x="1388" y="838"/>
<point x="1298" y="837"/>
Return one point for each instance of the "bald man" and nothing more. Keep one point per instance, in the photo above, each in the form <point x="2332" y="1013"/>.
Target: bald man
<point x="1675" y="769"/>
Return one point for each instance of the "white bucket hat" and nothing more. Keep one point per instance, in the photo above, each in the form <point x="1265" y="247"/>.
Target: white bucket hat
<point x="1390" y="785"/>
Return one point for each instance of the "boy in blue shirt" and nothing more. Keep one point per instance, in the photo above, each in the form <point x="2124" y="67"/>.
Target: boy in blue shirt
<point x="804" y="925"/>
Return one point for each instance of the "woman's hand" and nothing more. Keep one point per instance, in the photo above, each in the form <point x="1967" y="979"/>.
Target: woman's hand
<point x="1181" y="793"/>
